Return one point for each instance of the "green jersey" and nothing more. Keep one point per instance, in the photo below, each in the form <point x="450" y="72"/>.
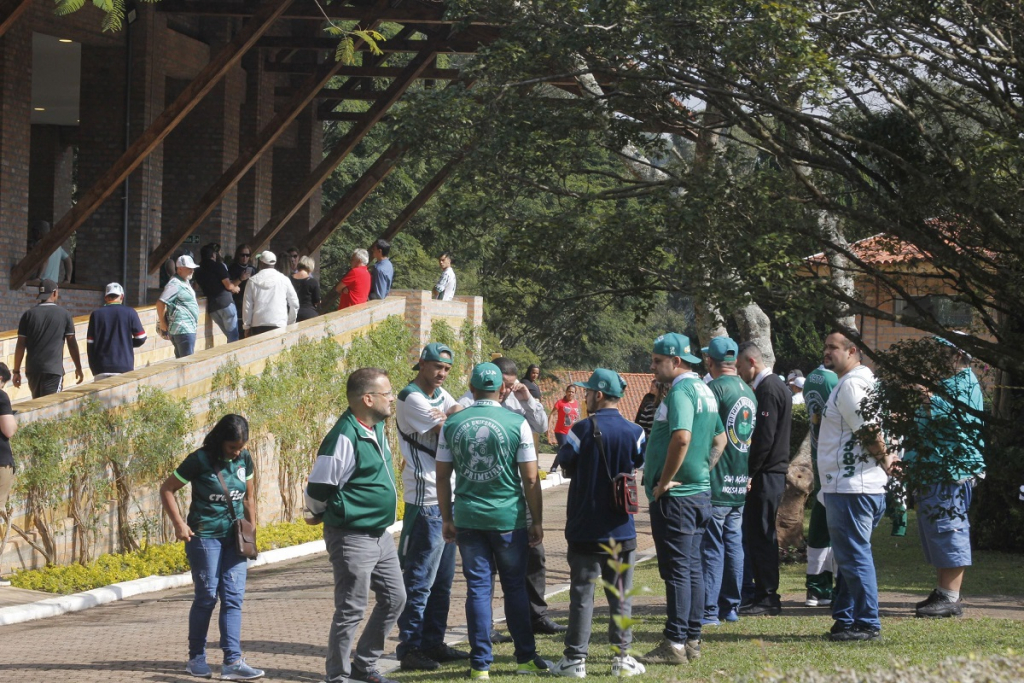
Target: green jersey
<point x="817" y="388"/>
<point x="485" y="444"/>
<point x="737" y="411"/>
<point x="689" y="406"/>
<point x="208" y="515"/>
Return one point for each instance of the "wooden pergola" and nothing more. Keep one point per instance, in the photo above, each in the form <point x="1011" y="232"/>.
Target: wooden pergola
<point x="427" y="31"/>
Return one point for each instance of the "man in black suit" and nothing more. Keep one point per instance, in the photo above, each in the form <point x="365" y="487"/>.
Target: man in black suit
<point x="767" y="462"/>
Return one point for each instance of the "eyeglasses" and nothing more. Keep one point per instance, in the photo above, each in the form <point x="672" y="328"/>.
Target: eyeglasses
<point x="385" y="394"/>
<point x="244" y="254"/>
<point x="293" y="255"/>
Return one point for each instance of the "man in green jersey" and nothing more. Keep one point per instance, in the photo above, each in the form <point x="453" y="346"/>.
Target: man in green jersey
<point x="490" y="450"/>
<point x="722" y="547"/>
<point x="685" y="439"/>
<point x="817" y="387"/>
<point x="352" y="489"/>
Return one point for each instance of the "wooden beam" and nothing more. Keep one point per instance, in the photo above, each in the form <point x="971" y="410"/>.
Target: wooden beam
<point x="451" y="47"/>
<point x="432" y="13"/>
<point x="10" y="12"/>
<point x="353" y="197"/>
<point x="333" y="94"/>
<point x="166" y="122"/>
<point x="247" y="157"/>
<point x="347" y="116"/>
<point x="432" y="186"/>
<point x="345" y="146"/>
<point x="359" y="71"/>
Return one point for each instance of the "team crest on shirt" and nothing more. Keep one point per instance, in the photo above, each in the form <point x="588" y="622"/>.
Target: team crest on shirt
<point x="479" y="440"/>
<point x="241" y="474"/>
<point x="739" y="425"/>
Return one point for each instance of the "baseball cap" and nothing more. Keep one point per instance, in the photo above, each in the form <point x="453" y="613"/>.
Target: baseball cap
<point x="114" y="289"/>
<point x="675" y="344"/>
<point x="792" y="376"/>
<point x="46" y="288"/>
<point x="606" y="381"/>
<point x="946" y="342"/>
<point x="187" y="262"/>
<point x="486" y="377"/>
<point x="798" y="382"/>
<point x="722" y="349"/>
<point x="436" y="351"/>
<point x="269" y="258"/>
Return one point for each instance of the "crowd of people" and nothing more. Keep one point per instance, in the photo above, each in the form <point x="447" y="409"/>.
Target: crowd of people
<point x="713" y="454"/>
<point x="242" y="299"/>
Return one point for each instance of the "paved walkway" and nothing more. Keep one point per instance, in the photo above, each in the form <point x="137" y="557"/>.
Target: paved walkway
<point x="287" y="611"/>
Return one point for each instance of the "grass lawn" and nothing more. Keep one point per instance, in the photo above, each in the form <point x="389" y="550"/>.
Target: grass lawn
<point x="795" y="641"/>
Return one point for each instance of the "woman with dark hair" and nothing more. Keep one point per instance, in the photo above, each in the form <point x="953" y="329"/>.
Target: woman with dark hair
<point x="240" y="270"/>
<point x="530" y="381"/>
<point x="648" y="405"/>
<point x="222" y="465"/>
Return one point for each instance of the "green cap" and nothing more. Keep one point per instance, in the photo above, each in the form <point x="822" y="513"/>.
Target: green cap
<point x="723" y="349"/>
<point x="486" y="377"/>
<point x="438" y="352"/>
<point x="675" y="344"/>
<point x="606" y="381"/>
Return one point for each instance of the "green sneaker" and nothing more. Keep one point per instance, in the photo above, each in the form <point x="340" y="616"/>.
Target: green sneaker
<point x="480" y="675"/>
<point x="533" y="667"/>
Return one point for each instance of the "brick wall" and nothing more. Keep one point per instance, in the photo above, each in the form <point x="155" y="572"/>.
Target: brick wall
<point x="192" y="378"/>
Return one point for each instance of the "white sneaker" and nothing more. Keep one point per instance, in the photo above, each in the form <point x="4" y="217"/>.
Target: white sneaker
<point x="625" y="665"/>
<point x="571" y="668"/>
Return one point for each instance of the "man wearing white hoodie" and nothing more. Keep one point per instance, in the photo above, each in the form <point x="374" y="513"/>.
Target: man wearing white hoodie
<point x="270" y="300"/>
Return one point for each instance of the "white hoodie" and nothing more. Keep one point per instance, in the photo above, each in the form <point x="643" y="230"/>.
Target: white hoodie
<point x="269" y="301"/>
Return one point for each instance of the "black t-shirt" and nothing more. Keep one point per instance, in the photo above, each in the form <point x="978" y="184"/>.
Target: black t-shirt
<point x="235" y="273"/>
<point x="532" y="387"/>
<point x="6" y="456"/>
<point x="210" y="276"/>
<point x="44" y="327"/>
<point x="308" y="291"/>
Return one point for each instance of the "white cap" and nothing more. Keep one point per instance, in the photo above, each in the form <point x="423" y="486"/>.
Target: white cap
<point x="114" y="289"/>
<point x="798" y="382"/>
<point x="268" y="258"/>
<point x="187" y="262"/>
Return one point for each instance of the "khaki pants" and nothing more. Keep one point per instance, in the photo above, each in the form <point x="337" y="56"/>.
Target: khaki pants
<point x="6" y="483"/>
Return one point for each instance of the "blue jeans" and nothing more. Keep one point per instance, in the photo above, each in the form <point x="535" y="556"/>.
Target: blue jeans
<point x="678" y="524"/>
<point x="482" y="552"/>
<point x="184" y="344"/>
<point x="722" y="555"/>
<point x="227" y="321"/>
<point x="428" y="567"/>
<point x="851" y="519"/>
<point x="218" y="571"/>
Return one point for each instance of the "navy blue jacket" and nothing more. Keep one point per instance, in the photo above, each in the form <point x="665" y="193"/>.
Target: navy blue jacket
<point x="114" y="332"/>
<point x="590" y="517"/>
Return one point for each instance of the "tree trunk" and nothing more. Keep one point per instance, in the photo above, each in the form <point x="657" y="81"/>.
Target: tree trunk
<point x="755" y="326"/>
<point x="789" y="522"/>
<point x="839" y="268"/>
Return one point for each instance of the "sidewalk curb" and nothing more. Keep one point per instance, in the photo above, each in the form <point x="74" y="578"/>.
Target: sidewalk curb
<point x="53" y="607"/>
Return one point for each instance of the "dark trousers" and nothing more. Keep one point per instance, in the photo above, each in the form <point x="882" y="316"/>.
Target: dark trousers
<point x="760" y="541"/>
<point x="260" y="329"/>
<point x="43" y="383"/>
<point x="678" y="524"/>
<point x="536" y="577"/>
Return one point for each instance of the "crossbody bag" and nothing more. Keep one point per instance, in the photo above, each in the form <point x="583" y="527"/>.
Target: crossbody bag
<point x="624" y="494"/>
<point x="245" y="533"/>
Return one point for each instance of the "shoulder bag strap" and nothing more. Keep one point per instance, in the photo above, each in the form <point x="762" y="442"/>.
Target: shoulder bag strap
<point x="227" y="497"/>
<point x="599" y="439"/>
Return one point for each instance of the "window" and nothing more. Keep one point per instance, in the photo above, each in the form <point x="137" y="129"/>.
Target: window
<point x="947" y="311"/>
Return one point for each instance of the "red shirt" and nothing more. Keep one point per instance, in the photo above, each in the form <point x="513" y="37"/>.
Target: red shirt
<point x="567" y="413"/>
<point x="358" y="282"/>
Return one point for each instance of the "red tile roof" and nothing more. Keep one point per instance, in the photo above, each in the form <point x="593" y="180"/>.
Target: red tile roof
<point x="880" y="250"/>
<point x="637" y="385"/>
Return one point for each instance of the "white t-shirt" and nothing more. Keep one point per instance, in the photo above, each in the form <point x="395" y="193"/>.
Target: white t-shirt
<point x="532" y="410"/>
<point x="413" y="415"/>
<point x="843" y="465"/>
<point x="446" y="284"/>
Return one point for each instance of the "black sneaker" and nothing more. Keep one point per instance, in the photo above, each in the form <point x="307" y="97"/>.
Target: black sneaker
<point x="444" y="653"/>
<point x="499" y="637"/>
<point x="843" y="634"/>
<point x="371" y="676"/>
<point x="418" y="660"/>
<point x="938" y="606"/>
<point x="548" y="626"/>
<point x="761" y="609"/>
